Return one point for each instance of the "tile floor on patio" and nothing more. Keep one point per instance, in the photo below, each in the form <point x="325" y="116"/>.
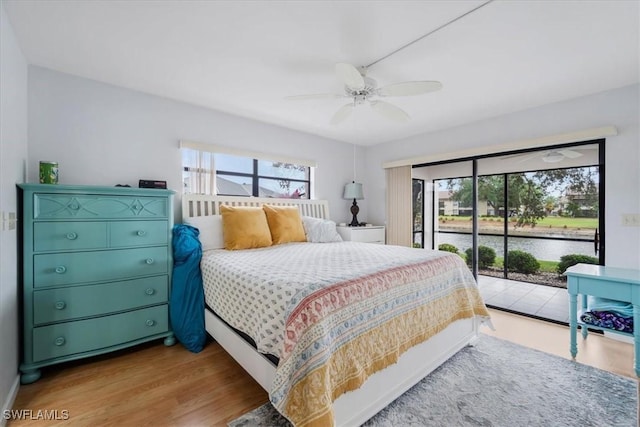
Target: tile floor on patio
<point x="527" y="298"/>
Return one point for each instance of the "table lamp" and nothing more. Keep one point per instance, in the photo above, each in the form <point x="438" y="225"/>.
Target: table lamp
<point x="353" y="190"/>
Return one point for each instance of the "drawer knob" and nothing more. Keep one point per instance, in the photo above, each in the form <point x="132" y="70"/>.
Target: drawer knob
<point x="61" y="269"/>
<point x="151" y="322"/>
<point x="150" y="291"/>
<point x="74" y="206"/>
<point x="149" y="261"/>
<point x="141" y="233"/>
<point x="72" y="236"/>
<point x="59" y="341"/>
<point x="60" y="305"/>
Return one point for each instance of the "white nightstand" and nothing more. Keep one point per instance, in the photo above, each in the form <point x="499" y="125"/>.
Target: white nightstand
<point x="372" y="234"/>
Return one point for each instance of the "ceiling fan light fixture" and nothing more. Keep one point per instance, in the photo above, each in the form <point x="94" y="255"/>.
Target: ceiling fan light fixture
<point x="359" y="99"/>
<point x="553" y="157"/>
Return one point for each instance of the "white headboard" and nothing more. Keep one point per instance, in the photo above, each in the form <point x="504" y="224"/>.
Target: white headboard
<point x="204" y="205"/>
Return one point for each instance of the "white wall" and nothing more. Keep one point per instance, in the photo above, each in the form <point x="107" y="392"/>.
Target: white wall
<point x="106" y="135"/>
<point x="13" y="154"/>
<point x="618" y="107"/>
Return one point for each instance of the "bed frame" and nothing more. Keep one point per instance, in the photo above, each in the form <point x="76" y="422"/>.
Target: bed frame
<point x="382" y="388"/>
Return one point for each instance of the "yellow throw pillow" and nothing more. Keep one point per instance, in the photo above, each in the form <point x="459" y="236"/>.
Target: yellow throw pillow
<point x="285" y="224"/>
<point x="244" y="228"/>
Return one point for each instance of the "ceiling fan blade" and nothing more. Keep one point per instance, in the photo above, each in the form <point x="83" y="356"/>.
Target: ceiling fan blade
<point x="570" y="154"/>
<point x="313" y="96"/>
<point x="342" y="114"/>
<point x="350" y="76"/>
<point x="390" y="111"/>
<point x="409" y="88"/>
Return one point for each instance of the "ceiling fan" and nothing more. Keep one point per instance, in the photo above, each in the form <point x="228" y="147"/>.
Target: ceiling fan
<point x="362" y="89"/>
<point x="553" y="155"/>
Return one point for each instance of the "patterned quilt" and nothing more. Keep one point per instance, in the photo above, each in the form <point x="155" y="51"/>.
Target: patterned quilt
<point x="335" y="313"/>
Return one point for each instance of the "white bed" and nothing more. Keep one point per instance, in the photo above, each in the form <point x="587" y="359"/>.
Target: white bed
<point x="380" y="389"/>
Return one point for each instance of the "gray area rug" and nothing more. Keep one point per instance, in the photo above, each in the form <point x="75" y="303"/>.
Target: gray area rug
<point x="498" y="383"/>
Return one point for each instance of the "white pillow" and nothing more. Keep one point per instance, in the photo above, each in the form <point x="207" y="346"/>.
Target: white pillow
<point x="210" y="230"/>
<point x="320" y="230"/>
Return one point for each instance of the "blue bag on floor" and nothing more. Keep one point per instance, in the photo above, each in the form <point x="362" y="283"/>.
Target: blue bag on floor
<point x="186" y="304"/>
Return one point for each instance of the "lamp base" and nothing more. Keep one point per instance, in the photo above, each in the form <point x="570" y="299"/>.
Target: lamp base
<point x="354" y="211"/>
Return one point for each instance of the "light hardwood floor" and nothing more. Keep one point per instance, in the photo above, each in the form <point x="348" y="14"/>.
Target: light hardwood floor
<point x="169" y="386"/>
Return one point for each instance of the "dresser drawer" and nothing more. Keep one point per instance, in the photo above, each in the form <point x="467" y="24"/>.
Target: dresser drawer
<point x="60" y="236"/>
<point x="98" y="266"/>
<point x="54" y="305"/>
<point x="70" y="206"/>
<point x="368" y="235"/>
<point x="375" y="234"/>
<point x="138" y="233"/>
<point x="85" y="335"/>
<point x="615" y="290"/>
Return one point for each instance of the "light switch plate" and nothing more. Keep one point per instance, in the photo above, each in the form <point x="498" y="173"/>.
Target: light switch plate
<point x="12" y="221"/>
<point x="8" y="221"/>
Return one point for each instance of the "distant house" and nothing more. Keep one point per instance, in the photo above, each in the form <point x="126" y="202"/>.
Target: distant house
<point x="579" y="204"/>
<point x="449" y="207"/>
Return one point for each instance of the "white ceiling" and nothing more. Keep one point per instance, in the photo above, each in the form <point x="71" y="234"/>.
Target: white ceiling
<point x="244" y="57"/>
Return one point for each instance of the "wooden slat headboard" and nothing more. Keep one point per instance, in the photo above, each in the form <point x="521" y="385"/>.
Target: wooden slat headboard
<point x="194" y="205"/>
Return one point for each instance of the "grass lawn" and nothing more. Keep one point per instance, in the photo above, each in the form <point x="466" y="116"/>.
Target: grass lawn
<point x="550" y="221"/>
<point x="560" y="222"/>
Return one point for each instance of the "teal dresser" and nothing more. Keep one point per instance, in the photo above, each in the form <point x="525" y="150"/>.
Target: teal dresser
<point x="96" y="271"/>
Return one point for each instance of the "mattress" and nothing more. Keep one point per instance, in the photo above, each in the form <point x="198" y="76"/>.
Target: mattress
<point x="335" y="313"/>
<point x="252" y="289"/>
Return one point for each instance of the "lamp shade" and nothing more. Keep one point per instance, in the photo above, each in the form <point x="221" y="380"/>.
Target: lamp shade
<point x="353" y="190"/>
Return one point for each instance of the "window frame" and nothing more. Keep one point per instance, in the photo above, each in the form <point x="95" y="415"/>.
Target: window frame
<point x="255" y="178"/>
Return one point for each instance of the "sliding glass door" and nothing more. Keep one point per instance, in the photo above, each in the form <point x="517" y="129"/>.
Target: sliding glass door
<point x="444" y="220"/>
<point x="522" y="215"/>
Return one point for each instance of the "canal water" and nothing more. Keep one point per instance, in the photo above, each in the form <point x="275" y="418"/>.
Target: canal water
<point x="542" y="249"/>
